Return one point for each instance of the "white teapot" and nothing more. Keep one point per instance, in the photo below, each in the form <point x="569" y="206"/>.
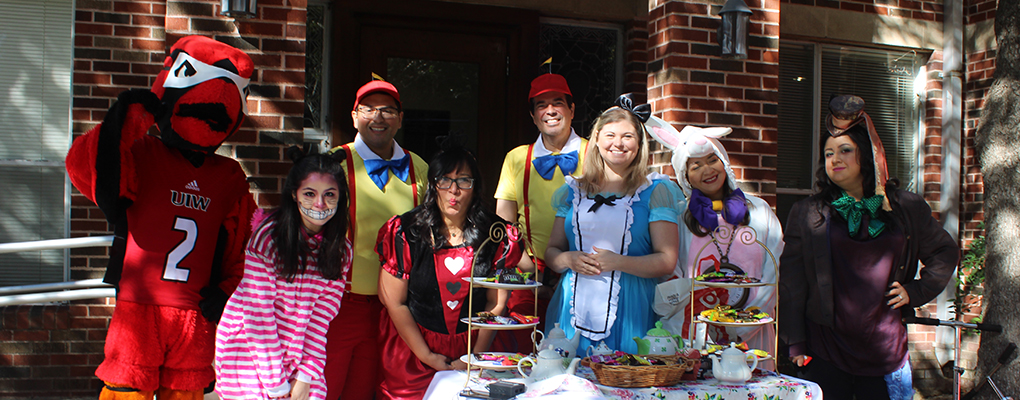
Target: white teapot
<point x="546" y="364"/>
<point x="557" y="340"/>
<point x="601" y="350"/>
<point x="733" y="367"/>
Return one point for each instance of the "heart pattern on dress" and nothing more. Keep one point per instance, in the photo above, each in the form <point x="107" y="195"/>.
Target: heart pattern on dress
<point x="454" y="264"/>
<point x="452" y="304"/>
<point x="453" y="287"/>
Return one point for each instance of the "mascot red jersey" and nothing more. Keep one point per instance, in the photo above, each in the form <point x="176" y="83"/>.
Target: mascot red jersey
<point x="180" y="214"/>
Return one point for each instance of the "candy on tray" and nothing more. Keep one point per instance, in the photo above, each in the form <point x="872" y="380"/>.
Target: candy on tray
<point x="524" y="319"/>
<point x="511" y="276"/>
<point x="725" y="313"/>
<point x="722" y="277"/>
<point x="621" y="358"/>
<point x="502" y="359"/>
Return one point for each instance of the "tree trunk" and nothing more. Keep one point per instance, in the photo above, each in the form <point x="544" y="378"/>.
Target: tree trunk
<point x="997" y="140"/>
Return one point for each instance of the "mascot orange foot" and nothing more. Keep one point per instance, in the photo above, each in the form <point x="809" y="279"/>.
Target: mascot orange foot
<point x="121" y="392"/>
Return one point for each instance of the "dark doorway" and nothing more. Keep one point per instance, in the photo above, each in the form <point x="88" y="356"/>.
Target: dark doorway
<point x="458" y="69"/>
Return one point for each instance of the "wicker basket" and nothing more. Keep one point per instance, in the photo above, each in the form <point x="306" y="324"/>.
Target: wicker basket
<point x="642" y="376"/>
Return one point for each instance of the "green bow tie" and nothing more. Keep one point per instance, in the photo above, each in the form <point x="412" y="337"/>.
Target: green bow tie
<point x="852" y="210"/>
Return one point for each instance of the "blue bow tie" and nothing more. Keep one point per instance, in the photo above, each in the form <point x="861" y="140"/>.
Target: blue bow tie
<point x="377" y="170"/>
<point x="546" y="165"/>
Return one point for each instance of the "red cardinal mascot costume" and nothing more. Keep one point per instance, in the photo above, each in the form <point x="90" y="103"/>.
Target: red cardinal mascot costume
<point x="180" y="214"/>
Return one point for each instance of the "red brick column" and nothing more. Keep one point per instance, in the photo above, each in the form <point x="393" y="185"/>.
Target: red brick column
<point x="689" y="83"/>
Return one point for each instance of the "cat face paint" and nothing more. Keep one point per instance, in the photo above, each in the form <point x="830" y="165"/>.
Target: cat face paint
<point x="317" y="198"/>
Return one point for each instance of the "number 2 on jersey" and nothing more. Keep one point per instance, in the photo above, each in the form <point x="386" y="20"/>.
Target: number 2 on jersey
<point x="172" y="272"/>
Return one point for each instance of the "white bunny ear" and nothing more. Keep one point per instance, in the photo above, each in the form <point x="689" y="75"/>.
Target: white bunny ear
<point x="663" y="132"/>
<point x="713" y="132"/>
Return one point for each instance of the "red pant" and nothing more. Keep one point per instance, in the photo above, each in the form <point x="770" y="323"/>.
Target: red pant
<point x="352" y="349"/>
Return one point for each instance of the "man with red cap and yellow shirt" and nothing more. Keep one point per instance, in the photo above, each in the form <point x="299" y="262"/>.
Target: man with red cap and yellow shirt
<point x="384" y="180"/>
<point x="530" y="175"/>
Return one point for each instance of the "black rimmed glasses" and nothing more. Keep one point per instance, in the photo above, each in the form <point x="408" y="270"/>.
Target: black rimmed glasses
<point x="462" y="183"/>
<point x="369" y="113"/>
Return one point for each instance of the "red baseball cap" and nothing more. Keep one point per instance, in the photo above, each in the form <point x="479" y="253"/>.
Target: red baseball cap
<point x="549" y="83"/>
<point x="376" y="87"/>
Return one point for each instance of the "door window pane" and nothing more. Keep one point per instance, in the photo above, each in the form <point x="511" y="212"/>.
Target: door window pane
<point x="588" y="56"/>
<point x="439" y="98"/>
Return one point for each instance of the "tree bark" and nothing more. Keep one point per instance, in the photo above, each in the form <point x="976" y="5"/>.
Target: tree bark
<point x="998" y="146"/>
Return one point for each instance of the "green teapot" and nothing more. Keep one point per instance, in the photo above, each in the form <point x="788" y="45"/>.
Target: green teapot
<point x="659" y="342"/>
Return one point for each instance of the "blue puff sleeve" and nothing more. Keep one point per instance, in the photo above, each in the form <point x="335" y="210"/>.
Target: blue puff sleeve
<point x="666" y="202"/>
<point x="561" y="200"/>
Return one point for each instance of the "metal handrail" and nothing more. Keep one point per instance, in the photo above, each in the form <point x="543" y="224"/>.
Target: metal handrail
<point x="53" y="244"/>
<point x="52" y="287"/>
<point x="61" y="291"/>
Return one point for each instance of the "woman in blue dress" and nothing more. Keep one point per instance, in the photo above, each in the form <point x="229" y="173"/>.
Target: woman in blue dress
<point x="614" y="236"/>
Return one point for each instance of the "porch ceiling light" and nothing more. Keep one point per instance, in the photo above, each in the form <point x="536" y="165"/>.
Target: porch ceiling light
<point x="238" y="8"/>
<point x="733" y="29"/>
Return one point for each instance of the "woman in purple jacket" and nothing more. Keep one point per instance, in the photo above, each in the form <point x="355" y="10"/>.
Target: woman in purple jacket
<point x="847" y="274"/>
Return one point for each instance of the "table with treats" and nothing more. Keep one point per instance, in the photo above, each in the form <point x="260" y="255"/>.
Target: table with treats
<point x="763" y="385"/>
<point x="667" y="366"/>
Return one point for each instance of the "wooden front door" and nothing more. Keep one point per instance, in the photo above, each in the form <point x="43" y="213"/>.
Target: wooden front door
<point x="457" y="68"/>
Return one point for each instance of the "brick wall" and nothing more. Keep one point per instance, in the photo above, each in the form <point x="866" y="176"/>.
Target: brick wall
<point x="688" y="83"/>
<point x="635" y="63"/>
<point x="975" y="11"/>
<point x="52" y="351"/>
<point x="977" y="79"/>
<point x="980" y="67"/>
<point x="929" y="10"/>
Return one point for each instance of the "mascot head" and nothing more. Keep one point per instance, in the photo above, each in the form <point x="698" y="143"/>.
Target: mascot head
<point x="204" y="91"/>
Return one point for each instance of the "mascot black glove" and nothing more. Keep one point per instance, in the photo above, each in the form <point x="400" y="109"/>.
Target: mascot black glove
<point x="145" y="97"/>
<point x="212" y="303"/>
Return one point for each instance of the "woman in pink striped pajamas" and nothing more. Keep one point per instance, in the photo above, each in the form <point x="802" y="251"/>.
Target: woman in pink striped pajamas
<point x="270" y="342"/>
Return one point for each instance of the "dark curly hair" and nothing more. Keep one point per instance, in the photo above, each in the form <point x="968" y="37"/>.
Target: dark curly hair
<point x="479" y="218"/>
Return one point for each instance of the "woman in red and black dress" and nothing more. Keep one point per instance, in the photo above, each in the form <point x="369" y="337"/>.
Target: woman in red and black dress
<point x="425" y="253"/>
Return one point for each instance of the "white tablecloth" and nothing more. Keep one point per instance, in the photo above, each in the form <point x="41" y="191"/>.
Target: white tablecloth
<point x="446" y="385"/>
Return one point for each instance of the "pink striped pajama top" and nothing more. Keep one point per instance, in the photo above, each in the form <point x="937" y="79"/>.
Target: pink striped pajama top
<point x="273" y="331"/>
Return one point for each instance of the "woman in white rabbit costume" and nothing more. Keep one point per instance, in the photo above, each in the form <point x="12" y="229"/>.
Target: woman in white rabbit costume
<point x="717" y="208"/>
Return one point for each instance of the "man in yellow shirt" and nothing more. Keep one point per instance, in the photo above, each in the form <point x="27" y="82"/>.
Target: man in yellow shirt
<point x="384" y="180"/>
<point x="530" y="175"/>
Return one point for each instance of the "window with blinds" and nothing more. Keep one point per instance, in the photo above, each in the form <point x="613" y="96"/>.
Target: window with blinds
<point x="885" y="80"/>
<point x="797" y="113"/>
<point x="35" y="125"/>
<point x="809" y="75"/>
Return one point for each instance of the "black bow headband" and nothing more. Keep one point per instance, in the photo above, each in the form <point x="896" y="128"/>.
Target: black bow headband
<point x="641" y="111"/>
